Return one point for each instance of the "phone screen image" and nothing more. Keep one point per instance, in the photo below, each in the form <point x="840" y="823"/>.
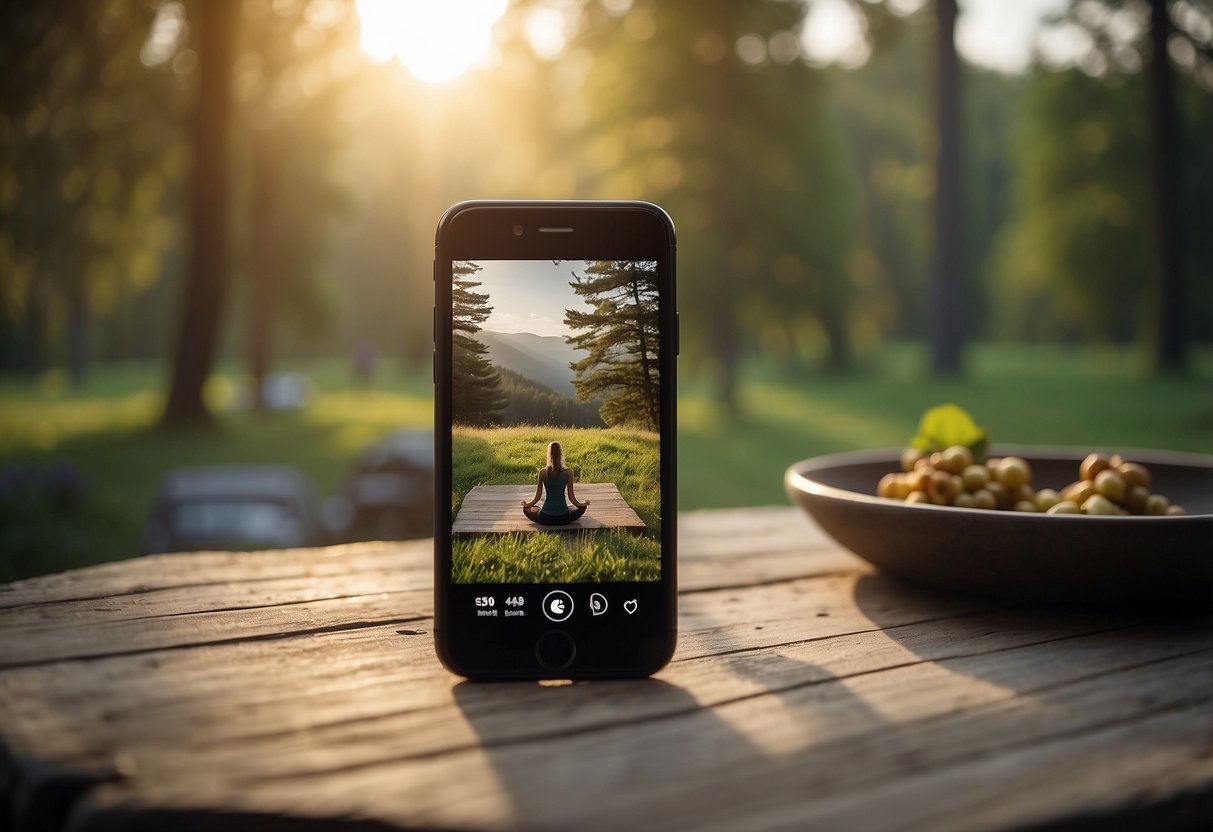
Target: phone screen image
<point x="555" y="444"/>
<point x="555" y="346"/>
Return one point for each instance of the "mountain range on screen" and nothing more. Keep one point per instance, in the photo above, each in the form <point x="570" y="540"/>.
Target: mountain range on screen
<point x="542" y="358"/>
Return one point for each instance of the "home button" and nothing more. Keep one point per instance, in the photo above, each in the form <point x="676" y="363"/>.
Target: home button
<point x="555" y="650"/>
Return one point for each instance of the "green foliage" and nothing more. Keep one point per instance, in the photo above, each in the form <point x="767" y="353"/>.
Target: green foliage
<point x="1099" y="399"/>
<point x="1080" y="257"/>
<point x="289" y="131"/>
<point x="947" y="424"/>
<point x="1090" y="398"/>
<point x="1076" y="259"/>
<point x="87" y="180"/>
<point x="747" y="158"/>
<point x="106" y="431"/>
<point x="621" y="336"/>
<point x="476" y="395"/>
<point x="531" y="403"/>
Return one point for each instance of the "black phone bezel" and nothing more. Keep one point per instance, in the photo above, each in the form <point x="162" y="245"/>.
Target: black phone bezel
<point x="485" y="230"/>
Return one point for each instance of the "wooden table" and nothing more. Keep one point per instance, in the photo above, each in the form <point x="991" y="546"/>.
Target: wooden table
<point x="496" y="508"/>
<point x="286" y="689"/>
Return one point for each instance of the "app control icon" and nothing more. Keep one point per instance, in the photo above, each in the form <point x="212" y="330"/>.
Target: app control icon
<point x="598" y="603"/>
<point x="630" y="606"/>
<point x="558" y="605"/>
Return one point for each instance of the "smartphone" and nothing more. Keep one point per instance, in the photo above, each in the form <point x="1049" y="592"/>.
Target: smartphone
<point x="556" y="336"/>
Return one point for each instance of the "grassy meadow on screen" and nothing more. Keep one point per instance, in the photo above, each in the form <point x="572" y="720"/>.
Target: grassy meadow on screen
<point x="555" y="352"/>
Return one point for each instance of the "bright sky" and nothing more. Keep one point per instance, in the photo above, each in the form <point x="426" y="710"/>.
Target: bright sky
<point x="438" y="40"/>
<point x="997" y="34"/>
<point x="529" y="295"/>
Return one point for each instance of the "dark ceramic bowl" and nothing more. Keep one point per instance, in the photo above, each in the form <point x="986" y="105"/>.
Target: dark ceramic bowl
<point x="1064" y="559"/>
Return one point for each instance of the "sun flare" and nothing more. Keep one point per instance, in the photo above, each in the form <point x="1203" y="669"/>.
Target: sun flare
<point x="437" y="40"/>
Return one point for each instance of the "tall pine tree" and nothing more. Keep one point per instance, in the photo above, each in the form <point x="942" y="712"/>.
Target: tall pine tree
<point x="476" y="394"/>
<point x="621" y="337"/>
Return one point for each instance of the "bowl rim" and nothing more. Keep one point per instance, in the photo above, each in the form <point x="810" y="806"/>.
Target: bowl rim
<point x="798" y="477"/>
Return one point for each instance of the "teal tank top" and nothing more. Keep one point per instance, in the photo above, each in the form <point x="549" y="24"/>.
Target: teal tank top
<point x="554" y="504"/>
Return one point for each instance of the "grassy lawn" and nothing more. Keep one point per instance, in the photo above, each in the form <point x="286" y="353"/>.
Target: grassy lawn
<point x="511" y="456"/>
<point x="1088" y="398"/>
<point x="104" y="432"/>
<point x="566" y="557"/>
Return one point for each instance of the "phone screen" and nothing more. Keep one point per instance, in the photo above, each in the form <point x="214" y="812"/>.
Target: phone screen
<point x="555" y="438"/>
<point x="557" y="477"/>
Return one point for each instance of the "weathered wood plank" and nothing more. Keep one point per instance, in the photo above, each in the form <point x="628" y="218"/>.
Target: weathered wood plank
<point x="345" y="572"/>
<point x="234" y="676"/>
<point x="806" y="692"/>
<point x="839" y="739"/>
<point x="707" y="534"/>
<point x="760" y="672"/>
<point x="40" y="645"/>
<point x="216" y="571"/>
<point x="497" y="509"/>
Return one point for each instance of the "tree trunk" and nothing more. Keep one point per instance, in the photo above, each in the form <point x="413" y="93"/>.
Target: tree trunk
<point x="206" y="266"/>
<point x="650" y="395"/>
<point x="77" y="328"/>
<point x="838" y="352"/>
<point x="264" y="261"/>
<point x="947" y="297"/>
<point x="1170" y="349"/>
<point x="724" y="349"/>
<point x="33" y="358"/>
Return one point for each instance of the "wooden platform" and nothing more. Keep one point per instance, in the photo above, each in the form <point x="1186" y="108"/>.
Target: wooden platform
<point x="496" y="508"/>
<point x="299" y="690"/>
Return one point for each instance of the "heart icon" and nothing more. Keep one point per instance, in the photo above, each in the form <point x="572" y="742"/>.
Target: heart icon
<point x="630" y="606"/>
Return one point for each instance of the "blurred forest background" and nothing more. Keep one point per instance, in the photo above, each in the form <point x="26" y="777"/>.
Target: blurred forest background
<point x="217" y="218"/>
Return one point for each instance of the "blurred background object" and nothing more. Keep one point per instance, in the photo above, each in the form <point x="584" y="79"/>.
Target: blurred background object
<point x="389" y="492"/>
<point x="234" y="507"/>
<point x="216" y="222"/>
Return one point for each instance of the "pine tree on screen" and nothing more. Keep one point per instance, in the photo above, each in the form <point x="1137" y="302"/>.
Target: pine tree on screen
<point x="476" y="394"/>
<point x="620" y="335"/>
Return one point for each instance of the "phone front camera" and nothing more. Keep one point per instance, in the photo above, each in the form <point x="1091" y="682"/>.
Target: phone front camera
<point x="518" y="231"/>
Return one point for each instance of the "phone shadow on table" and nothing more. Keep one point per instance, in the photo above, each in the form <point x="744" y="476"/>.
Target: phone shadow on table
<point x="649" y="752"/>
<point x="755" y="728"/>
<point x="1019" y="646"/>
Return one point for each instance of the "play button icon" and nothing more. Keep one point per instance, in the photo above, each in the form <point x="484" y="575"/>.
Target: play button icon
<point x="558" y="605"/>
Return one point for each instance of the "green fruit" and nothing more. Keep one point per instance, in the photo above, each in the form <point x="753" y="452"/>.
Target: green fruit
<point x="956" y="458"/>
<point x="910" y="457"/>
<point x="1092" y="465"/>
<point x="975" y="477"/>
<point x="1014" y="472"/>
<point x="1157" y="505"/>
<point x="1111" y="485"/>
<point x="1099" y="504"/>
<point x="983" y="498"/>
<point x="1046" y="498"/>
<point x="1134" y="474"/>
<point x="1135" y="498"/>
<point x="887" y="486"/>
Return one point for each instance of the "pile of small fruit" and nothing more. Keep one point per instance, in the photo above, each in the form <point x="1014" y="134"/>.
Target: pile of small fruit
<point x="953" y="477"/>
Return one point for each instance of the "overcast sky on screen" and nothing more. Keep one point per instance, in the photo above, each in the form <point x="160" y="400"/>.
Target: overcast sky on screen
<point x="529" y="295"/>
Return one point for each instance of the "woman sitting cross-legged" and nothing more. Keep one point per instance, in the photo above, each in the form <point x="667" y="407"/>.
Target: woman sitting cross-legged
<point x="555" y="479"/>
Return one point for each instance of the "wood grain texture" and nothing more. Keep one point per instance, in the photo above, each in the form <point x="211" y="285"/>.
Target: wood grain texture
<point x="497" y="509"/>
<point x="298" y="688"/>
